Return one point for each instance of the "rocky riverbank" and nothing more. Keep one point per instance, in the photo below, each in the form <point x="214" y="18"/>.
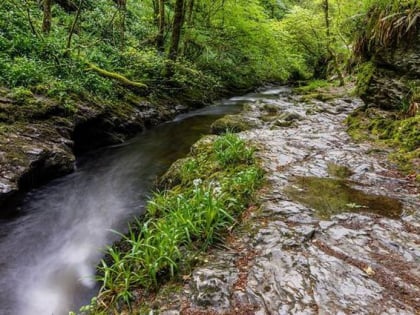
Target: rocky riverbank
<point x="337" y="230"/>
<point x="39" y="137"/>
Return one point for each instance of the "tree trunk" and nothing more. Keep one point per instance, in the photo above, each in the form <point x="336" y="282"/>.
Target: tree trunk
<point x="73" y="27"/>
<point x="31" y="24"/>
<point x="176" y="29"/>
<point x="176" y="37"/>
<point x="122" y="8"/>
<point x="160" y="39"/>
<point x="190" y="12"/>
<point x="46" y="22"/>
<point x="116" y="76"/>
<point x="331" y="53"/>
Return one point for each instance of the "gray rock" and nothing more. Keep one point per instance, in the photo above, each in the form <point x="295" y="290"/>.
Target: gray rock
<point x="395" y="70"/>
<point x="211" y="286"/>
<point x="349" y="263"/>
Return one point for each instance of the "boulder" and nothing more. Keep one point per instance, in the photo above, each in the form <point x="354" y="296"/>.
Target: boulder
<point x="232" y="123"/>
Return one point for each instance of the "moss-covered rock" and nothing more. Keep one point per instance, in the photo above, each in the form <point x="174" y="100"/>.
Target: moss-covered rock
<point x="339" y="171"/>
<point x="320" y="96"/>
<point x="175" y="175"/>
<point x="364" y="76"/>
<point x="387" y="78"/>
<point x="39" y="136"/>
<point x="389" y="130"/>
<point x="31" y="155"/>
<point x="232" y="123"/>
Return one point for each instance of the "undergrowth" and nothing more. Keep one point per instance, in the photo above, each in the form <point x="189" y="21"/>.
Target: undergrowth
<point x="214" y="185"/>
<point x="386" y="24"/>
<point x="402" y="134"/>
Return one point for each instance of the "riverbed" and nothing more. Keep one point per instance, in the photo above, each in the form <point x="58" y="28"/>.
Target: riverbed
<point x="51" y="247"/>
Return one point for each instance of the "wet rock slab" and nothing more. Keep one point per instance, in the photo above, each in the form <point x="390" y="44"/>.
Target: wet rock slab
<point x="292" y="260"/>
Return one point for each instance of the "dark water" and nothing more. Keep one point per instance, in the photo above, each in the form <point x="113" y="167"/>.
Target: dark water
<point x="49" y="252"/>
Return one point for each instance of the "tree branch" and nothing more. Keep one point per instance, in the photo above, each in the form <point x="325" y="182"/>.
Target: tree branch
<point x="116" y="76"/>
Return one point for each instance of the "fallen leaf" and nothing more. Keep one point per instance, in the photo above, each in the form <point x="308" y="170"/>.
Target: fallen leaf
<point x="369" y="271"/>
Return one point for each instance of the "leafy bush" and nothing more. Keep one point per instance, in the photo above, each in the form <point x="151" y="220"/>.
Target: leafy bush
<point x="25" y="72"/>
<point x="385" y="24"/>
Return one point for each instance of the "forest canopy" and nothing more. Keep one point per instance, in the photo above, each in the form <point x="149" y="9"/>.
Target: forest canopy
<point x="101" y="48"/>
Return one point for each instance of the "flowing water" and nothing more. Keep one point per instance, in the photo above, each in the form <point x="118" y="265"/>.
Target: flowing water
<point x="50" y="250"/>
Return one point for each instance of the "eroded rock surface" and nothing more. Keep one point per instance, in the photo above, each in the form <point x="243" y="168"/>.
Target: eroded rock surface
<point x="289" y="259"/>
<point x="38" y="138"/>
<point x="395" y="72"/>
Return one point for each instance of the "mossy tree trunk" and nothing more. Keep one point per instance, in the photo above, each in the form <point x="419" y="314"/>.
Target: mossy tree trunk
<point x="73" y="27"/>
<point x="191" y="4"/>
<point x="46" y="21"/>
<point x="332" y="55"/>
<point x="176" y="36"/>
<point x="160" y="39"/>
<point x="176" y="30"/>
<point x="138" y="86"/>
<point x="122" y="8"/>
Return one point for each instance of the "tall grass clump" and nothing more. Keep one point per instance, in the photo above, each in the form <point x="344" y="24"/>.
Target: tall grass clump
<point x="386" y="24"/>
<point x="181" y="220"/>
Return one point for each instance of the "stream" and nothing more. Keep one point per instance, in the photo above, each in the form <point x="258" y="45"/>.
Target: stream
<point x="50" y="249"/>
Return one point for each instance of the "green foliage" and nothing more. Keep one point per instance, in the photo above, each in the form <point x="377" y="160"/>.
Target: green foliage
<point x="231" y="44"/>
<point x="312" y="85"/>
<point x="230" y="149"/>
<point x="24" y="71"/>
<point x="364" y="75"/>
<point x="385" y="24"/>
<point x="182" y="221"/>
<point x="400" y="133"/>
<point x="224" y="44"/>
<point x="304" y="30"/>
<point x="21" y="94"/>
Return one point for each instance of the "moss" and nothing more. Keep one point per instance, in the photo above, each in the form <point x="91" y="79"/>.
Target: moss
<point x="204" y="146"/>
<point x="320" y="96"/>
<point x="407" y="132"/>
<point x="117" y="77"/>
<point x="20" y="94"/>
<point x="333" y="196"/>
<point x="339" y="171"/>
<point x="401" y="134"/>
<point x="271" y="109"/>
<point x="356" y="126"/>
<point x="268" y="118"/>
<point x="133" y="99"/>
<point x="232" y="123"/>
<point x="364" y="76"/>
<point x="168" y="294"/>
<point x="408" y="162"/>
<point x="415" y="90"/>
<point x="182" y="171"/>
<point x="311" y="86"/>
<point x="282" y="124"/>
<point x="13" y="152"/>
